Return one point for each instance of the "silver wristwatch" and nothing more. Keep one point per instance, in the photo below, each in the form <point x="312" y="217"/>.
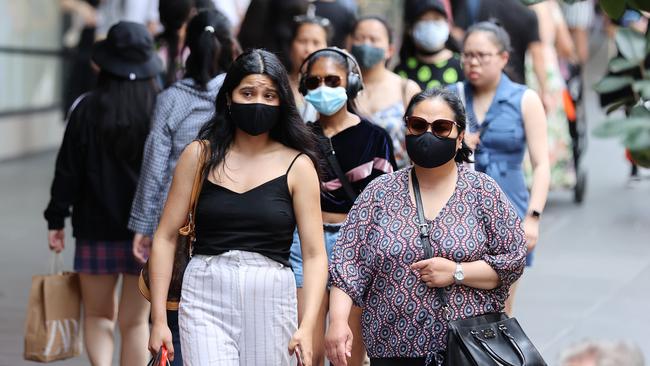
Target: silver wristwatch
<point x="459" y="275"/>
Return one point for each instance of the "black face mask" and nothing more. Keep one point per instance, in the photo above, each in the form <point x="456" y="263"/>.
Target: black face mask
<point x="255" y="118"/>
<point x="430" y="151"/>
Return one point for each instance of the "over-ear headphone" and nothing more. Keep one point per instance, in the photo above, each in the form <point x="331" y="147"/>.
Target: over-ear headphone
<point x="355" y="81"/>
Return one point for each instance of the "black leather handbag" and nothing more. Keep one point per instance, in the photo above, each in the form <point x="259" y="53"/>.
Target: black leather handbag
<point x="491" y="339"/>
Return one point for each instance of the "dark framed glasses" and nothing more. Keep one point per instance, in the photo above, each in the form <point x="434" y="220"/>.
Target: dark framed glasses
<point x="481" y="57"/>
<point x="440" y="127"/>
<point x="313" y="82"/>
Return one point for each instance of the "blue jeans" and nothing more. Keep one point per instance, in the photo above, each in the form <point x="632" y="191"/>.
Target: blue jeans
<point x="172" y="322"/>
<point x="331" y="232"/>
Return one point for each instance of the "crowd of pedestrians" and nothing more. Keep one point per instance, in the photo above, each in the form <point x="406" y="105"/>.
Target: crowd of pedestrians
<point x="315" y="158"/>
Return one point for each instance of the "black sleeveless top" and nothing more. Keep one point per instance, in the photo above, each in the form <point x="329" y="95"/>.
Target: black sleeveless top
<point x="260" y="220"/>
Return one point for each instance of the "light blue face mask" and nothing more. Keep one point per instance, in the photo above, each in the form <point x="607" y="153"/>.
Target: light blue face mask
<point x="326" y="100"/>
<point x="430" y="35"/>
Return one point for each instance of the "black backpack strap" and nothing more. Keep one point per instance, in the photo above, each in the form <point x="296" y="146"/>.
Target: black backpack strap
<point x="325" y="144"/>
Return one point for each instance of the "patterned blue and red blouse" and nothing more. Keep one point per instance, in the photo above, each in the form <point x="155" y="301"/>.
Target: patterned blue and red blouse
<point x="379" y="240"/>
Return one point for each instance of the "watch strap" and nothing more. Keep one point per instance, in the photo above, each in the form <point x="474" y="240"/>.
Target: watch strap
<point x="459" y="270"/>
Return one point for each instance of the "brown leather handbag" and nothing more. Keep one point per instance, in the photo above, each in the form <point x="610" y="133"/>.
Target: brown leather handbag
<point x="186" y="237"/>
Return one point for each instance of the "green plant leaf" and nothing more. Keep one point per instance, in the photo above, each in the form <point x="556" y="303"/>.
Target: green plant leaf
<point x="641" y="157"/>
<point x="631" y="44"/>
<point x="640" y="111"/>
<point x="619" y="103"/>
<point x="619" y="64"/>
<point x="609" y="128"/>
<point x="638" y="139"/>
<point x="610" y="84"/>
<point x="531" y="2"/>
<point x="613" y="8"/>
<point x="621" y="126"/>
<point x="643" y="88"/>
<point x="640" y="4"/>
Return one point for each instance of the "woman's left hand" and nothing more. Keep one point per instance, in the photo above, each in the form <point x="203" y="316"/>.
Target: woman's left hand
<point x="531" y="229"/>
<point x="436" y="272"/>
<point x="301" y="342"/>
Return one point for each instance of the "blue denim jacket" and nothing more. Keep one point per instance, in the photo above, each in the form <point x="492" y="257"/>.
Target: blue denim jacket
<point x="503" y="140"/>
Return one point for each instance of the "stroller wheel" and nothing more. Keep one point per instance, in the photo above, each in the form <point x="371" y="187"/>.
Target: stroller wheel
<point x="580" y="187"/>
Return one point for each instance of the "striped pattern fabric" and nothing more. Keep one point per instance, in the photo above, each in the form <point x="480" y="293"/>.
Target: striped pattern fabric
<point x="579" y="14"/>
<point x="237" y="309"/>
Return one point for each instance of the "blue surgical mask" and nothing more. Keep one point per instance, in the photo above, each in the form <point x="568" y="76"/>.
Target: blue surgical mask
<point x="430" y="35"/>
<point x="326" y="100"/>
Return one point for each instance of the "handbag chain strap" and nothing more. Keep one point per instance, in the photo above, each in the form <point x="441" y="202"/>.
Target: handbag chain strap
<point x="424" y="237"/>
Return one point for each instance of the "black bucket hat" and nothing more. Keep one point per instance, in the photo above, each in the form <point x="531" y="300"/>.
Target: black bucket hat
<point x="421" y="6"/>
<point x="127" y="52"/>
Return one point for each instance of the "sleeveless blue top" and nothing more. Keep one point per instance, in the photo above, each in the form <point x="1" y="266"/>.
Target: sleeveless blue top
<point x="503" y="140"/>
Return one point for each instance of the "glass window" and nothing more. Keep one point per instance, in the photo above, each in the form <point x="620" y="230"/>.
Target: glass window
<point x="29" y="80"/>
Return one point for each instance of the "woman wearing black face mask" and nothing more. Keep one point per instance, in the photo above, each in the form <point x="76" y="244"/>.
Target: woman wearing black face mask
<point x="239" y="300"/>
<point x="379" y="262"/>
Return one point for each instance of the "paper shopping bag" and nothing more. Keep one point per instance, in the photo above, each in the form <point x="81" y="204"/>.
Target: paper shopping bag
<point x="52" y="326"/>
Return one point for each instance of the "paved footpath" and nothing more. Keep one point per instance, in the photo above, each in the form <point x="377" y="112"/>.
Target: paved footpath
<point x="591" y="277"/>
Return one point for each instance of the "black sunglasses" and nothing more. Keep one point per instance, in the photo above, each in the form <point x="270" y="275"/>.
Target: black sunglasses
<point x="440" y="127"/>
<point x="313" y="82"/>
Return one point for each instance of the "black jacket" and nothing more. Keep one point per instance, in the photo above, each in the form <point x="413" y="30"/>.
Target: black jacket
<point x="92" y="180"/>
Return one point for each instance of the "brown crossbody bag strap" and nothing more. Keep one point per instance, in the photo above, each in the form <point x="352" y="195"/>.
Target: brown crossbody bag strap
<point x="188" y="228"/>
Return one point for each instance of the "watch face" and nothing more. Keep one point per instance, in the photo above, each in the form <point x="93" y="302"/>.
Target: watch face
<point x="459" y="275"/>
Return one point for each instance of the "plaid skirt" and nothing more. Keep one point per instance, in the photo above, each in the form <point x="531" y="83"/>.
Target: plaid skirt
<point x="105" y="257"/>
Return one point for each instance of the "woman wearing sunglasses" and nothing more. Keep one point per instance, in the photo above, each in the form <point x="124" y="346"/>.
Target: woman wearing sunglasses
<point x="354" y="152"/>
<point x="505" y="120"/>
<point x="379" y="262"/>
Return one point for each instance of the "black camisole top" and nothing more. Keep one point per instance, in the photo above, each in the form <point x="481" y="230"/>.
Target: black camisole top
<point x="259" y="220"/>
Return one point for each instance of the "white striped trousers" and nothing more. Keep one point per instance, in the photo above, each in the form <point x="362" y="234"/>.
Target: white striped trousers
<point x="237" y="309"/>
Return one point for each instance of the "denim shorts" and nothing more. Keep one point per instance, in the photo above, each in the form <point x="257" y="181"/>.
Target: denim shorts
<point x="529" y="258"/>
<point x="331" y="232"/>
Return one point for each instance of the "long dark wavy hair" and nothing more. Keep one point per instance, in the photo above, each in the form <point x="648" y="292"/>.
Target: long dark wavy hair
<point x="290" y="130"/>
<point x="211" y="51"/>
<point x="122" y="109"/>
<point x="454" y="102"/>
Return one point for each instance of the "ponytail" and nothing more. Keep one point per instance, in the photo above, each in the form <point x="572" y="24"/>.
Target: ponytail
<point x="463" y="154"/>
<point x="212" y="46"/>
